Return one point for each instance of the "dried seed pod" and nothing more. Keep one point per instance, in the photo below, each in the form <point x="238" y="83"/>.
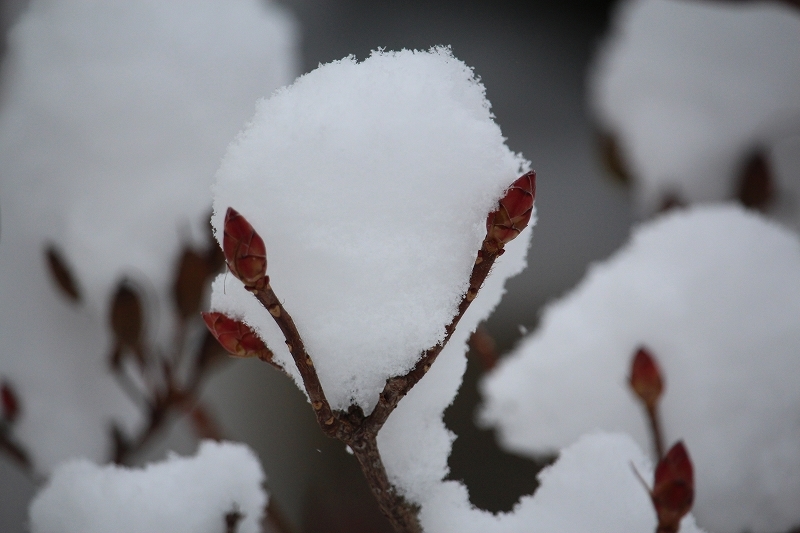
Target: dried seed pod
<point x="10" y="402"/>
<point x="513" y="213"/>
<point x="236" y="337"/>
<point x="190" y="281"/>
<point x="646" y="380"/>
<point x="244" y="250"/>
<point x="673" y="488"/>
<point x="61" y="273"/>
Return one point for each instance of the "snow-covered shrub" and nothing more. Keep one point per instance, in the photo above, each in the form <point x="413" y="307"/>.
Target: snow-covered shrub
<point x="691" y="91"/>
<point x="714" y="292"/>
<point x="113" y="120"/>
<point x="220" y="485"/>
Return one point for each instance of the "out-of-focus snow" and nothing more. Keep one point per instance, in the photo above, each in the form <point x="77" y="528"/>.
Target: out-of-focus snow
<point x="179" y="495"/>
<point x="113" y="119"/>
<point x="689" y="89"/>
<point x="592" y="487"/>
<point x="714" y="292"/>
<point x="370" y="184"/>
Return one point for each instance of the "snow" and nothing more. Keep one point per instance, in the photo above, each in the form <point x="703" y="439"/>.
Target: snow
<point x="114" y="118"/>
<point x="689" y="89"/>
<point x="714" y="292"/>
<point x="370" y="183"/>
<point x="591" y="487"/>
<point x="180" y="494"/>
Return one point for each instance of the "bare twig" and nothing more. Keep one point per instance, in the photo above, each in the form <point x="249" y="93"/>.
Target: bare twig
<point x="15" y="451"/>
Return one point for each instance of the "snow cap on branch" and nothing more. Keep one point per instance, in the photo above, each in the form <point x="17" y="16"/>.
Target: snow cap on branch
<point x="370" y="184"/>
<point x="178" y="495"/>
<point x="714" y="292"/>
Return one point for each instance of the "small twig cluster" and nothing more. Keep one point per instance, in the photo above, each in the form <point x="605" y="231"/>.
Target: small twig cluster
<point x="245" y="254"/>
<point x="164" y="384"/>
<point x="161" y="384"/>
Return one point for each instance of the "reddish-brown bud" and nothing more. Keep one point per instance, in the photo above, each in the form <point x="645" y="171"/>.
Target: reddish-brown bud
<point x="10" y="402"/>
<point x="244" y="249"/>
<point x="513" y="213"/>
<point x="673" y="488"/>
<point x="237" y="338"/>
<point x="645" y="378"/>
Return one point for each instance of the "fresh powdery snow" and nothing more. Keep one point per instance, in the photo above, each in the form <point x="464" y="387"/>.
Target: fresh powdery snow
<point x="178" y="495"/>
<point x="714" y="292"/>
<point x="689" y="89"/>
<point x="370" y="184"/>
<point x="114" y="118"/>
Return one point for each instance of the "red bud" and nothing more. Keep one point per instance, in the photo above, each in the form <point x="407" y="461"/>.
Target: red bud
<point x="513" y="213"/>
<point x="673" y="488"/>
<point x="10" y="402"/>
<point x="237" y="338"/>
<point x="244" y="249"/>
<point x="646" y="379"/>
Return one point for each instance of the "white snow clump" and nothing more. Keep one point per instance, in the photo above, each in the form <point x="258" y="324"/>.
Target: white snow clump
<point x="689" y="89"/>
<point x="179" y="495"/>
<point x="714" y="292"/>
<point x="114" y="118"/>
<point x="370" y="184"/>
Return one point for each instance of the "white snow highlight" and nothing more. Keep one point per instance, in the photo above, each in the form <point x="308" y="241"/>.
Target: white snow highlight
<point x="179" y="495"/>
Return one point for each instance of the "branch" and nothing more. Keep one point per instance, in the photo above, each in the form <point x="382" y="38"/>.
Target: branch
<point x="302" y="360"/>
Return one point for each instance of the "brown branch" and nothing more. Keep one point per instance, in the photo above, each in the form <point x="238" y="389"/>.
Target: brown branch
<point x="401" y="514"/>
<point x="302" y="360"/>
<point x="655" y="430"/>
<point x="16" y="452"/>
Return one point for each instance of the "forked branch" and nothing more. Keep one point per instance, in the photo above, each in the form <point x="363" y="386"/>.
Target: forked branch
<point x="245" y="254"/>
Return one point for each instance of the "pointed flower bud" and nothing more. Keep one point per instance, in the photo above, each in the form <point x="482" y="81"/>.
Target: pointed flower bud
<point x="236" y="337"/>
<point x="645" y="378"/>
<point x="513" y="213"/>
<point x="673" y="488"/>
<point x="244" y="249"/>
<point x="10" y="402"/>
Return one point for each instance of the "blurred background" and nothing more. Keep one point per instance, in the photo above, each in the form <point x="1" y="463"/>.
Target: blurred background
<point x="532" y="57"/>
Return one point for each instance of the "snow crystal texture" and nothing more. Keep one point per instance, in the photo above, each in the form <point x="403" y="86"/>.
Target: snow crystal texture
<point x="689" y="89"/>
<point x="370" y="183"/>
<point x="714" y="292"/>
<point x="179" y="495"/>
<point x="115" y="116"/>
